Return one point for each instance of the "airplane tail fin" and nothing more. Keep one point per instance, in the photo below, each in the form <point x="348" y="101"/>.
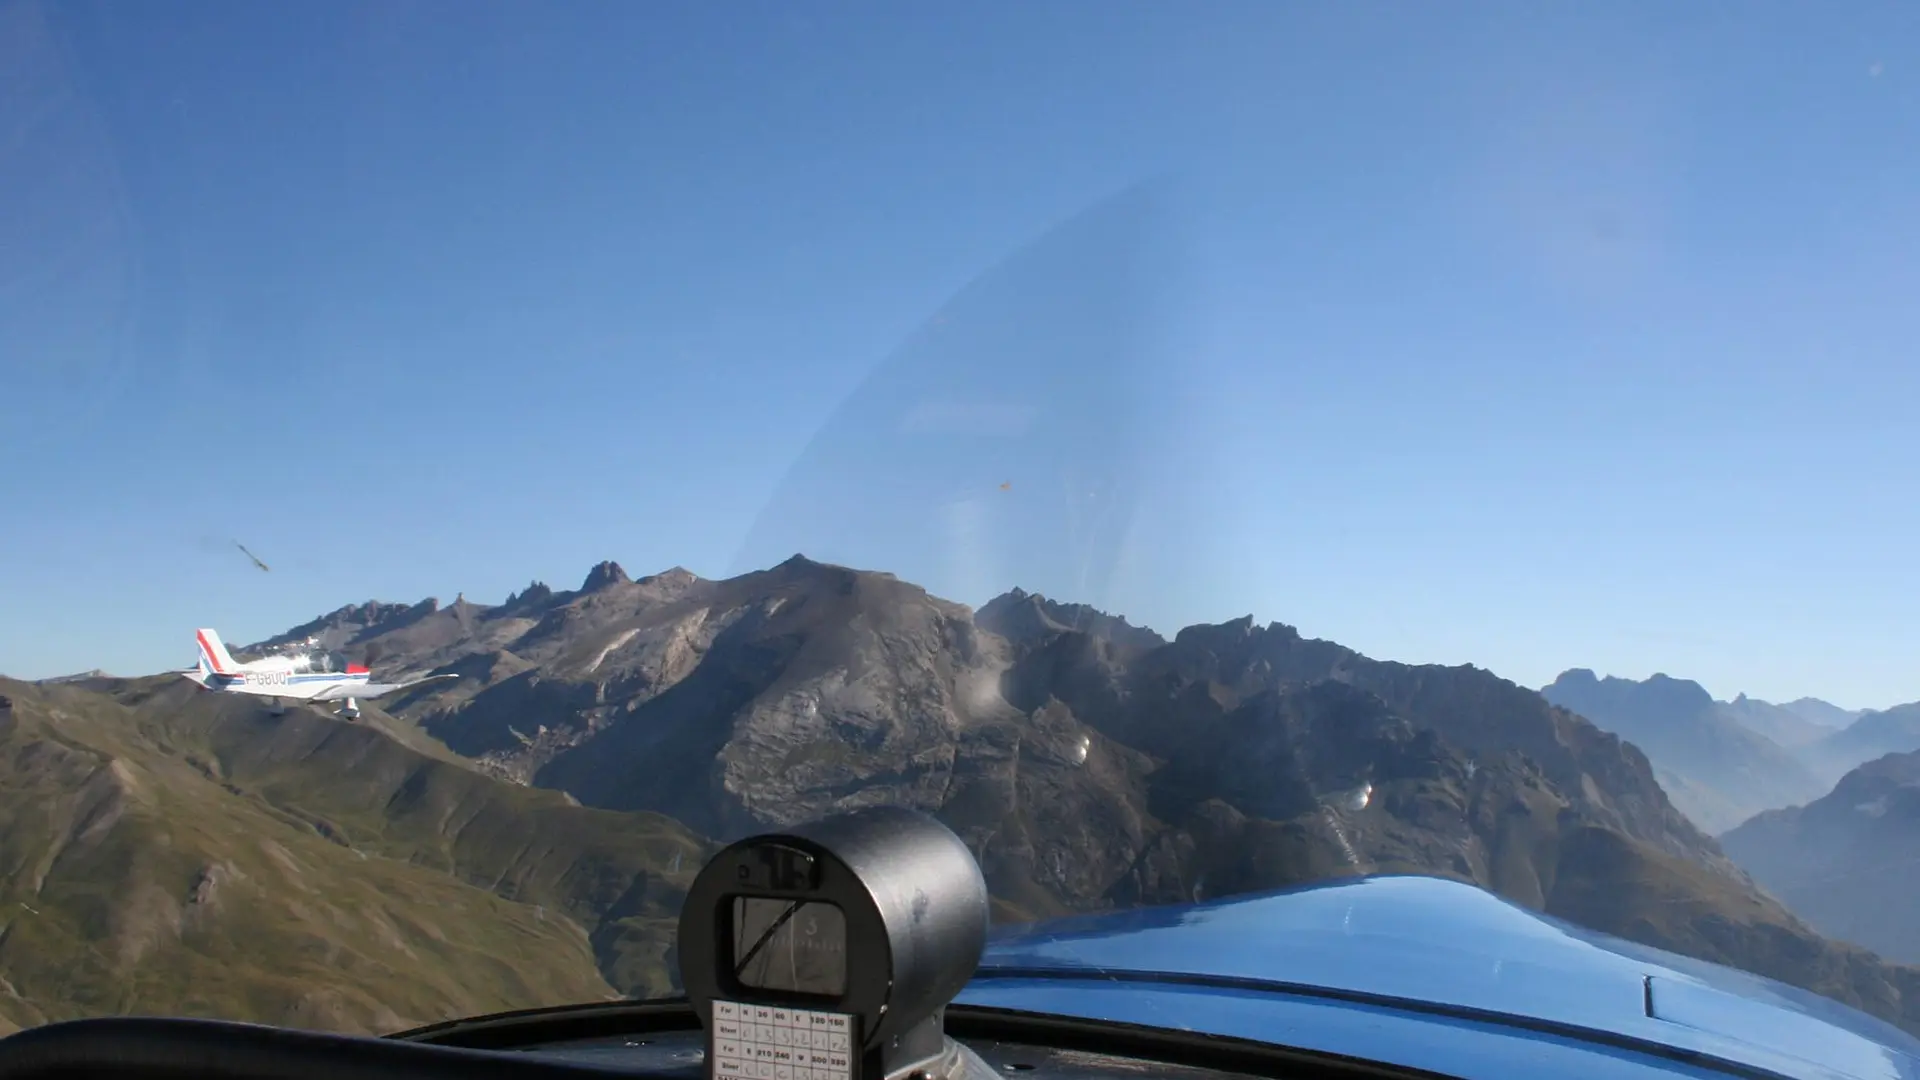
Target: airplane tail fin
<point x="213" y="654"/>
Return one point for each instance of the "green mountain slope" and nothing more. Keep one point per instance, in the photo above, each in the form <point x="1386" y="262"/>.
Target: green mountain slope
<point x="188" y="854"/>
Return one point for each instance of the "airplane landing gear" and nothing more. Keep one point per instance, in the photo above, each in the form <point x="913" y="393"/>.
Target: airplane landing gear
<point x="349" y="710"/>
<point x="276" y="707"/>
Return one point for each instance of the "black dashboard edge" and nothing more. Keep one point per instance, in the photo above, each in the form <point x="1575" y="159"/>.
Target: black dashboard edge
<point x="512" y="1030"/>
<point x="1223" y="1053"/>
<point x="559" y="1023"/>
<point x="165" y="1048"/>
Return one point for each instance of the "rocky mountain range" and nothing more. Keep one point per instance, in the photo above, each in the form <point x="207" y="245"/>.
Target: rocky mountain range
<point x="1710" y="758"/>
<point x="1844" y="861"/>
<point x="1723" y="762"/>
<point x="1873" y="735"/>
<point x="603" y="738"/>
<point x="1786" y="725"/>
<point x="1825" y="714"/>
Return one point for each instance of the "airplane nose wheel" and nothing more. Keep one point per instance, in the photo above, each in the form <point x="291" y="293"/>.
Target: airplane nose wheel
<point x="350" y="711"/>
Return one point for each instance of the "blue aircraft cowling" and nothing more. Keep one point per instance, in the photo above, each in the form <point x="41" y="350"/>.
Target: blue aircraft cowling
<point x="1432" y="974"/>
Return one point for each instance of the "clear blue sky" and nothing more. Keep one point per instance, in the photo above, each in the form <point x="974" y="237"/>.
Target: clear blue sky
<point x="1514" y="334"/>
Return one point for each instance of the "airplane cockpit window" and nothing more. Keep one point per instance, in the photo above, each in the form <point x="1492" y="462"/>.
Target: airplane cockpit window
<point x="1381" y="533"/>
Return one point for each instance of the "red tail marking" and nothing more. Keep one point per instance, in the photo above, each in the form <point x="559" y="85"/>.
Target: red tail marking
<point x="213" y="655"/>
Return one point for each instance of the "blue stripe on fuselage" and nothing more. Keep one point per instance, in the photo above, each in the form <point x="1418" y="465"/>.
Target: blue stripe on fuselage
<point x="302" y="680"/>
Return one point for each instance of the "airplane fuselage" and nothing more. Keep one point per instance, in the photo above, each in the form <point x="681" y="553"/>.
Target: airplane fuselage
<point x="297" y="685"/>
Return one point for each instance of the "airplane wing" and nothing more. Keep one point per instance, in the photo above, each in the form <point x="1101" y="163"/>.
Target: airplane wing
<point x="371" y="689"/>
<point x="251" y="555"/>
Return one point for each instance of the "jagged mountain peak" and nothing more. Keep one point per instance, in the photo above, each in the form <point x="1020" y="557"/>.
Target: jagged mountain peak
<point x="536" y="592"/>
<point x="605" y="575"/>
<point x="1026" y="618"/>
<point x="1659" y="689"/>
<point x="1214" y="635"/>
<point x="801" y="567"/>
<point x="1680" y="690"/>
<point x="798" y="560"/>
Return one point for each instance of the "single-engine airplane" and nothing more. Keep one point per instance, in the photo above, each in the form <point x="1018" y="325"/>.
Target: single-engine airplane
<point x="297" y="677"/>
